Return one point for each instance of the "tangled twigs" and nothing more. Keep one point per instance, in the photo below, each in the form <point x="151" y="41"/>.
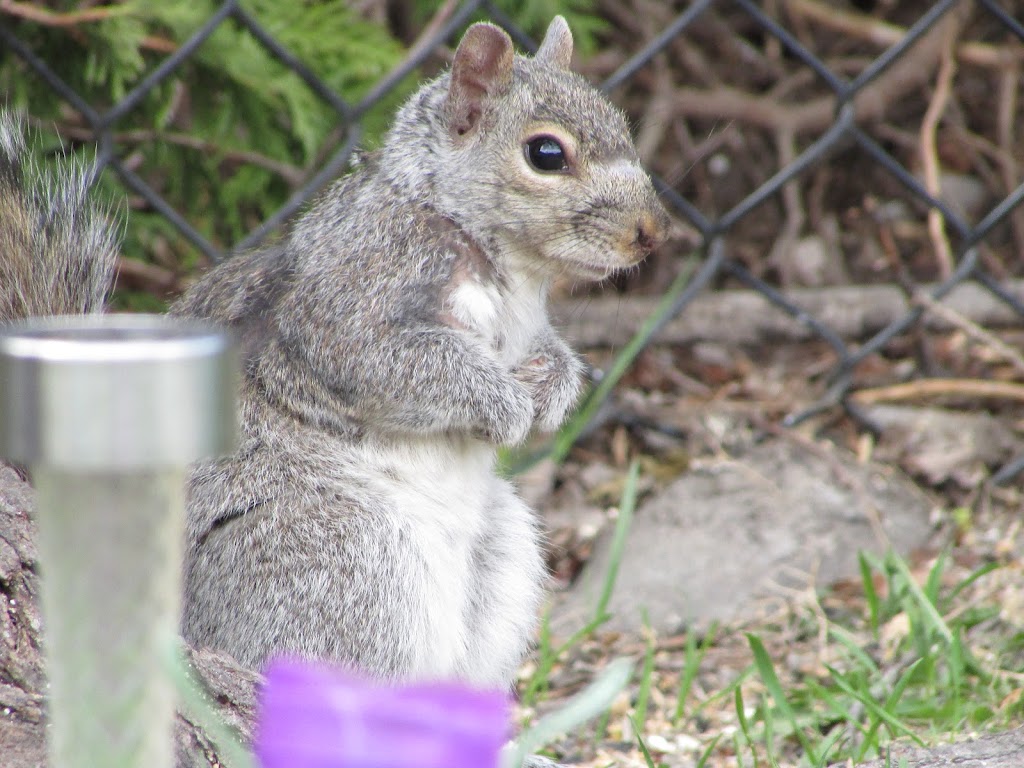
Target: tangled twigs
<point x="1009" y="81"/>
<point x="884" y="34"/>
<point x="923" y="389"/>
<point x="793" y="202"/>
<point x="656" y="120"/>
<point x="971" y="329"/>
<point x="929" y="153"/>
<point x="904" y="76"/>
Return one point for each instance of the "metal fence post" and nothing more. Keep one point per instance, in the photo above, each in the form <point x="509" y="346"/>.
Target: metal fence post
<point x="107" y="412"/>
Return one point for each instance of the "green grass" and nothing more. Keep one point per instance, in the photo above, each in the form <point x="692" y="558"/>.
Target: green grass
<point x="584" y="706"/>
<point x="928" y="682"/>
<point x="693" y="655"/>
<point x="921" y="660"/>
<point x="646" y="674"/>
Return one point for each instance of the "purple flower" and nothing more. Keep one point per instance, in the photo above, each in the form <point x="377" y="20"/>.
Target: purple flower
<point x="312" y="716"/>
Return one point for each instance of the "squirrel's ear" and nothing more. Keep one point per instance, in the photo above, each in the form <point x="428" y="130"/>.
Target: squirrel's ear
<point x="556" y="50"/>
<point x="482" y="68"/>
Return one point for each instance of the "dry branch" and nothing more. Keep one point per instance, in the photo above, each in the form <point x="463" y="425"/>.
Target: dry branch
<point x="883" y="34"/>
<point x="746" y="317"/>
<point x="925" y="389"/>
<point x="930" y="154"/>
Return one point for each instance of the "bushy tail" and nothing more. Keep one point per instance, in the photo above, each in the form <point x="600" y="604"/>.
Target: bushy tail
<point x="57" y="250"/>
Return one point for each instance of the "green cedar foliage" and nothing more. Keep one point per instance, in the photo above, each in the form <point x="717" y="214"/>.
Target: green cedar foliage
<point x="227" y="136"/>
<point x="231" y="133"/>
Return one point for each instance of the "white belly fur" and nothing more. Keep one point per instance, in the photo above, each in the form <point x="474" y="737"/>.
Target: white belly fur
<point x="509" y="323"/>
<point x="448" y="497"/>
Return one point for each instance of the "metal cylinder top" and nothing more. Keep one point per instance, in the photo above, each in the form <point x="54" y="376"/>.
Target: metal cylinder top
<point x="115" y="392"/>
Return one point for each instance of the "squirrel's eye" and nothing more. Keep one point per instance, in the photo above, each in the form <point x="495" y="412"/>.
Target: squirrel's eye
<point x="546" y="154"/>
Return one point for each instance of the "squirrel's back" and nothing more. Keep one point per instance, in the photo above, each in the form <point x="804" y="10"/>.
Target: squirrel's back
<point x="57" y="249"/>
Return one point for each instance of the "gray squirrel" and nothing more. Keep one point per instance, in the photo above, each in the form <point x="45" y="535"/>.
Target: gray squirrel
<point x="392" y="341"/>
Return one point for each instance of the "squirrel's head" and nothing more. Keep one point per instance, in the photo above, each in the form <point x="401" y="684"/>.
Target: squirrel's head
<point x="524" y="152"/>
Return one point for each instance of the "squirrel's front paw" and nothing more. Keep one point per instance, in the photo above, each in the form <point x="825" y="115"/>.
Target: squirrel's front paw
<point x="509" y="417"/>
<point x="554" y="384"/>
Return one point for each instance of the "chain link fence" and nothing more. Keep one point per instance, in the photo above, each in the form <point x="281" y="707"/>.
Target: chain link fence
<point x="853" y="107"/>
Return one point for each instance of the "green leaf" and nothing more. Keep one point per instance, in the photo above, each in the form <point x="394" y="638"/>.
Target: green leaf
<point x="643" y="747"/>
<point x="646" y="674"/>
<point x="706" y="754"/>
<point x="888" y="706"/>
<point x="587" y="704"/>
<point x="872" y="706"/>
<point x="927" y="607"/>
<point x="984" y="570"/>
<point x="627" y="505"/>
<point x="870" y="593"/>
<point x="771" y="682"/>
<point x="692" y="657"/>
<point x="741" y="718"/>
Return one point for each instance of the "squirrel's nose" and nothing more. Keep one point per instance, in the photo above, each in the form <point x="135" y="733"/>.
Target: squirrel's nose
<point x="651" y="230"/>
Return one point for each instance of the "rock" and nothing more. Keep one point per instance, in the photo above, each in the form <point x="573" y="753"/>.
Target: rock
<point x="992" y="750"/>
<point x="940" y="445"/>
<point x="721" y="538"/>
<point x="811" y="262"/>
